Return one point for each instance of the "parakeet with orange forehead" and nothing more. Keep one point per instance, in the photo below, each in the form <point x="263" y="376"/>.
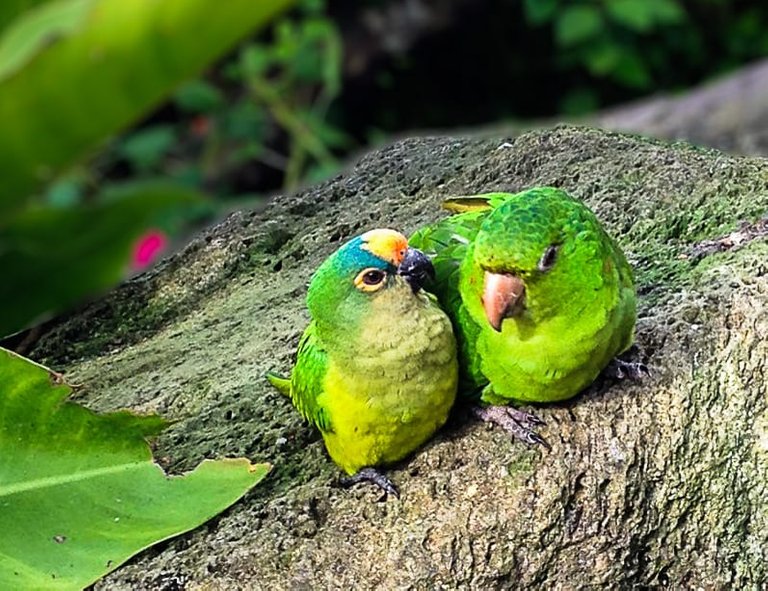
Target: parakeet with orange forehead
<point x="376" y="369"/>
<point x="541" y="297"/>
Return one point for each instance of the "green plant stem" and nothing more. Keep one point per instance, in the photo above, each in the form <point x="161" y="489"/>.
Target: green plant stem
<point x="209" y="161"/>
<point x="286" y="117"/>
<point x="272" y="158"/>
<point x="296" y="162"/>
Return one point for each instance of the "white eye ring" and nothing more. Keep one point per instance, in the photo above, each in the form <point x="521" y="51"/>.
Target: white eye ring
<point x="370" y="279"/>
<point x="547" y="260"/>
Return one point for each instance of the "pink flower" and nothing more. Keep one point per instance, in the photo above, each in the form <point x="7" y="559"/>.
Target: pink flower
<point x="147" y="248"/>
<point x="200" y="126"/>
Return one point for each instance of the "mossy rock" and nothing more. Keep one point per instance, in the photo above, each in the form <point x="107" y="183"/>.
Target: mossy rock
<point x="657" y="483"/>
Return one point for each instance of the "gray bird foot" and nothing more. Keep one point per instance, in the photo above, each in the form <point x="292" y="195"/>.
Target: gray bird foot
<point x="623" y="370"/>
<point x="518" y="423"/>
<point x="374" y="476"/>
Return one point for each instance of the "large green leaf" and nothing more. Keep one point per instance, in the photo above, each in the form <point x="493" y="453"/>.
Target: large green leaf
<point x="52" y="258"/>
<point x="577" y="24"/>
<point x="643" y="15"/>
<point x="79" y="493"/>
<point x="10" y="9"/>
<point x="540" y="11"/>
<point x="73" y="72"/>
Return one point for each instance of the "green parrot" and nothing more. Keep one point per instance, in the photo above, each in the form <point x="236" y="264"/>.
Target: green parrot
<point x="541" y="299"/>
<point x="376" y="369"/>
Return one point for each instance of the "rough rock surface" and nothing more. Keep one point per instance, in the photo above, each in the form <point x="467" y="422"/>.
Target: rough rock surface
<point x="659" y="483"/>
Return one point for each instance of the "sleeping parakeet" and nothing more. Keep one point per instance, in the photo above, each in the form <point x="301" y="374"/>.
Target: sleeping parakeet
<point x="376" y="369"/>
<point x="541" y="298"/>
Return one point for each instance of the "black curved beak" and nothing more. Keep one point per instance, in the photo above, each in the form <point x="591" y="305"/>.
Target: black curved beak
<point x="416" y="268"/>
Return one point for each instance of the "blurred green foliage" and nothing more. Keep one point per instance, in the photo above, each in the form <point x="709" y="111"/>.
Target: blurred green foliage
<point x="645" y="44"/>
<point x="53" y="256"/>
<point x="295" y="79"/>
<point x="73" y="73"/>
<point x="264" y="108"/>
<point x="502" y="60"/>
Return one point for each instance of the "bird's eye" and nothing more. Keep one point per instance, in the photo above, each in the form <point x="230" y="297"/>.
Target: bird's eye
<point x="373" y="277"/>
<point x="370" y="279"/>
<point x="547" y="260"/>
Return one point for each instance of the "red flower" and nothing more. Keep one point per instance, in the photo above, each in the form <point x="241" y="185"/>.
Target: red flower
<point x="147" y="249"/>
<point x="200" y="126"/>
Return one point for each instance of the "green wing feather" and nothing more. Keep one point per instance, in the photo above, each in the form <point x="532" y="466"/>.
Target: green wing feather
<point x="474" y="203"/>
<point x="306" y="384"/>
<point x="446" y="242"/>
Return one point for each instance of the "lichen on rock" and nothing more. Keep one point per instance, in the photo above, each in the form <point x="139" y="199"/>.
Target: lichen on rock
<point x="658" y="483"/>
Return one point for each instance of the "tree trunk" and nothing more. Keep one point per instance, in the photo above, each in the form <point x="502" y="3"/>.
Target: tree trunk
<point x="658" y="483"/>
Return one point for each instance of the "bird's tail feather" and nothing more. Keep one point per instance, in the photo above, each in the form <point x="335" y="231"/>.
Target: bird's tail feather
<point x="279" y="382"/>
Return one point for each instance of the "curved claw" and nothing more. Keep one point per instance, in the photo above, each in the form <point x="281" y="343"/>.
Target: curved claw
<point x="517" y="423"/>
<point x="534" y="438"/>
<point x="525" y="418"/>
<point x="622" y="370"/>
<point x="373" y="476"/>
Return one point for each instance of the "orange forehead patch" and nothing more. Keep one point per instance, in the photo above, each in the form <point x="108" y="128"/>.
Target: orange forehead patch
<point x="386" y="244"/>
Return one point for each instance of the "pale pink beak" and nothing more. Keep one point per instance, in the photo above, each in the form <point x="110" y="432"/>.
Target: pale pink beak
<point x="501" y="295"/>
